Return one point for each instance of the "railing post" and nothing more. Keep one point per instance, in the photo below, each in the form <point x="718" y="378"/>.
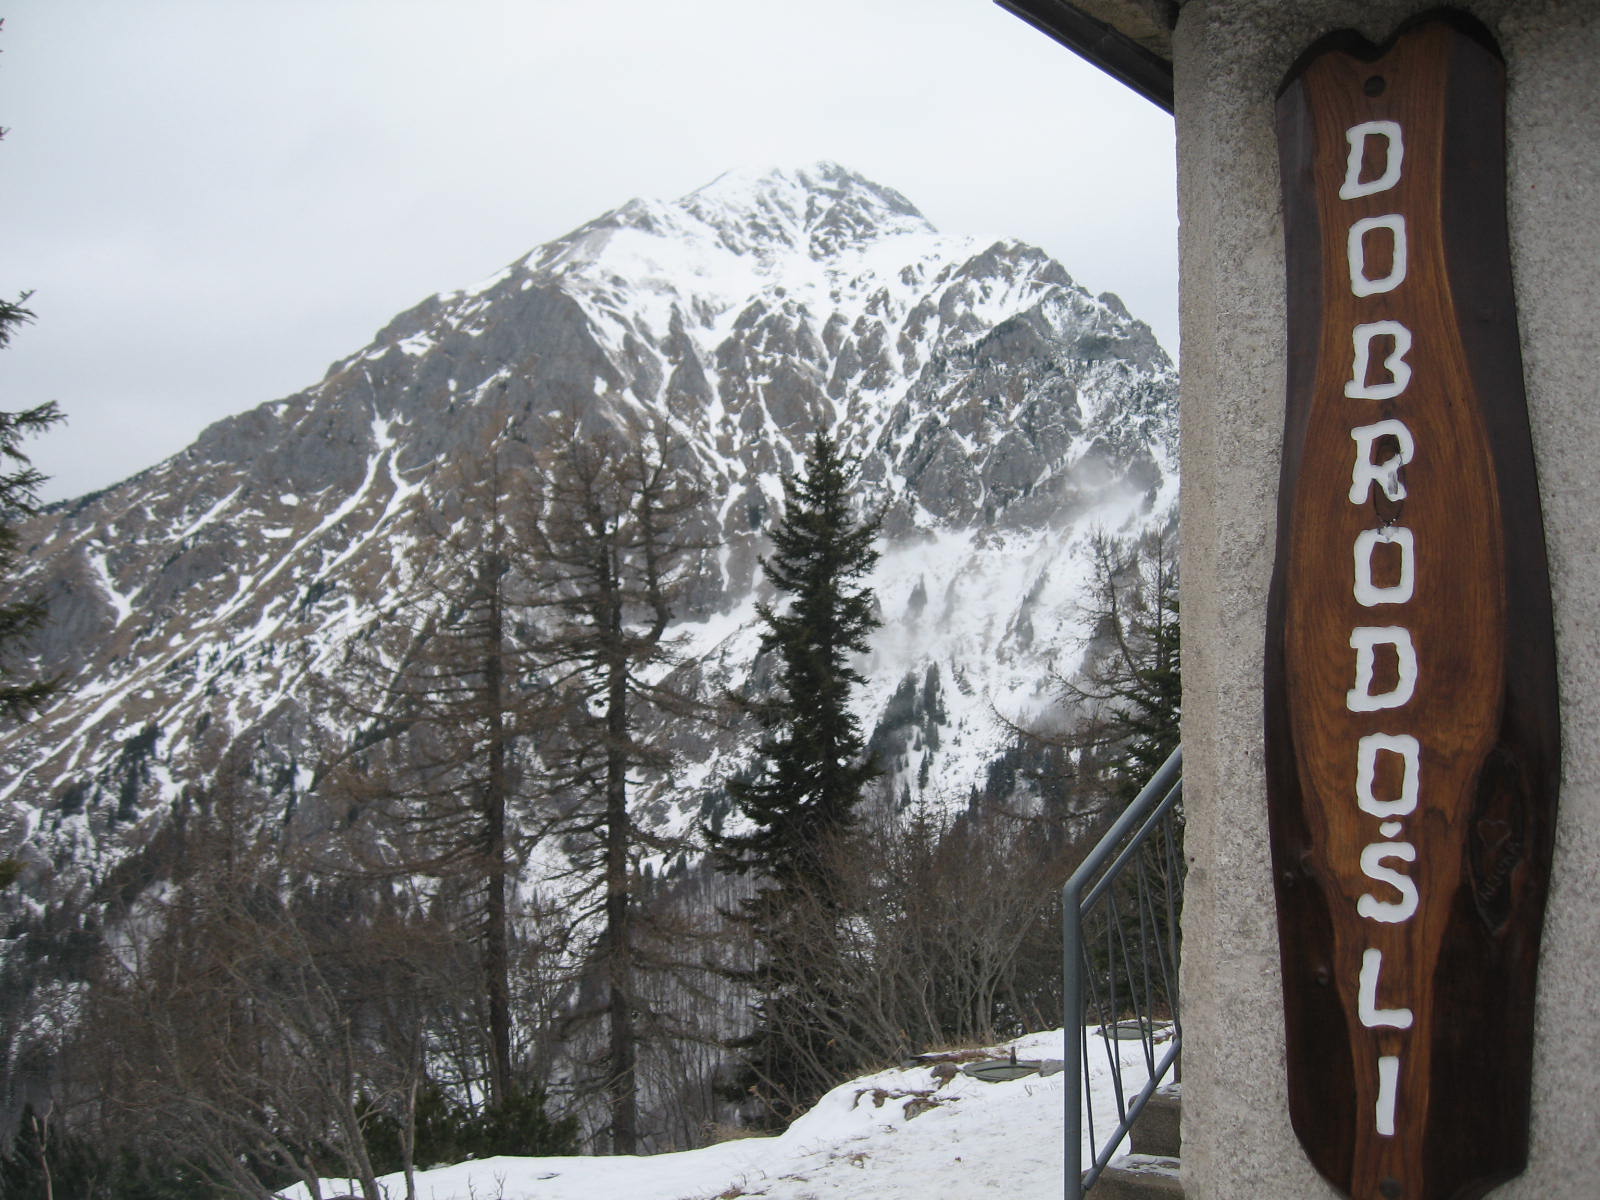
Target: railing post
<point x="1072" y="1032"/>
<point x="1148" y="812"/>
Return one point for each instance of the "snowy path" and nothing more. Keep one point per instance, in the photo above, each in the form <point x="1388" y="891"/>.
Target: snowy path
<point x="978" y="1140"/>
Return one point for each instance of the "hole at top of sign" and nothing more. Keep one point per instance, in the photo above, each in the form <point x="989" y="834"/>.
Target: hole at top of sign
<point x="1374" y="85"/>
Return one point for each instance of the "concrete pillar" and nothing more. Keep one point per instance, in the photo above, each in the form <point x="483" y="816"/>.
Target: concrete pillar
<point x="1230" y="57"/>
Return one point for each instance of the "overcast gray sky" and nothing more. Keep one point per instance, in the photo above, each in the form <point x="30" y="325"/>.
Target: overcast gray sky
<point x="214" y="199"/>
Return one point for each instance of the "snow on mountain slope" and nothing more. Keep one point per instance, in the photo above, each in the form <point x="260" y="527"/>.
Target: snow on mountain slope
<point x="900" y="1134"/>
<point x="1000" y="410"/>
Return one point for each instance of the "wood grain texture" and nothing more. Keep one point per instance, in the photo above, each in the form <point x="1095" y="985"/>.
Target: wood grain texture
<point x="1483" y="708"/>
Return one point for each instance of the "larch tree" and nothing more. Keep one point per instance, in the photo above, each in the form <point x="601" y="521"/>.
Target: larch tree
<point x="614" y="541"/>
<point x="811" y="767"/>
<point x="270" y="1024"/>
<point x="442" y="772"/>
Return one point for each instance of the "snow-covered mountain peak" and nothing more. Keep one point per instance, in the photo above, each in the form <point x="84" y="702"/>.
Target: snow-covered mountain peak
<point x="818" y="238"/>
<point x="822" y="209"/>
<point x="764" y="218"/>
<point x="999" y="409"/>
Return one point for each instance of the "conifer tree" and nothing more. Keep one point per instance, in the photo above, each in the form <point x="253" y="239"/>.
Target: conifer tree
<point x="812" y="765"/>
<point x="19" y="484"/>
<point x="811" y="769"/>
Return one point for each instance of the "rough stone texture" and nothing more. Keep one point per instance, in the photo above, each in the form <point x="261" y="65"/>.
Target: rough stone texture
<point x="1157" y="1130"/>
<point x="1230" y="57"/>
<point x="1553" y="51"/>
<point x="1140" y="1177"/>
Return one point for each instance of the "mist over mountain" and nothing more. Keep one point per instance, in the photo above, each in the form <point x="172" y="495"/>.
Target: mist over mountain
<point x="1001" y="414"/>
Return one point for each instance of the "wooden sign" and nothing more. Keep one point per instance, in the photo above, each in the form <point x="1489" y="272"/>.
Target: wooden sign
<point x="1411" y="721"/>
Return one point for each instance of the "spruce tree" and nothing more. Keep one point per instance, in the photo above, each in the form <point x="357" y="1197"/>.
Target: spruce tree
<point x="19" y="484"/>
<point x="811" y="760"/>
<point x="800" y="800"/>
<point x="19" y="488"/>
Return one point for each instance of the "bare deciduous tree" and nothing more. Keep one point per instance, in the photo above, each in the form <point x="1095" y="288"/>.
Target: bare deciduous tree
<point x="444" y="782"/>
<point x="244" y="1014"/>
<point x="611" y="551"/>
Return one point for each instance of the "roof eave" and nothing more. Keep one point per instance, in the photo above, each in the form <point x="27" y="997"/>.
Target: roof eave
<point x="1108" y="48"/>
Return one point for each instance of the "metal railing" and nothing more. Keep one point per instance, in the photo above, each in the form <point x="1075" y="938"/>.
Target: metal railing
<point x="1120" y="968"/>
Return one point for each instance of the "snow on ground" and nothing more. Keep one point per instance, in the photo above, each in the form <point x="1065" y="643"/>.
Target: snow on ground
<point x="900" y="1134"/>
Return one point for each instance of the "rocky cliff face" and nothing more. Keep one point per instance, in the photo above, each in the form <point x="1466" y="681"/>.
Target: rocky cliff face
<point x="1000" y="410"/>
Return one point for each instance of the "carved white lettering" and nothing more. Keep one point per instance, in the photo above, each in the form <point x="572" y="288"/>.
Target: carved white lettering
<point x="1388" y="912"/>
<point x="1394" y="362"/>
<point x="1388" y="1090"/>
<point x="1364" y="640"/>
<point x="1367" y="1008"/>
<point x="1393" y="157"/>
<point x="1410" y="753"/>
<point x="1362" y="284"/>
<point x="1386" y="763"/>
<point x="1387" y="473"/>
<point x="1368" y="540"/>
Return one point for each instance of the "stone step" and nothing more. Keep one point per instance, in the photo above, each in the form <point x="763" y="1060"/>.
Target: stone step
<point x="1139" y="1177"/>
<point x="1156" y="1131"/>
